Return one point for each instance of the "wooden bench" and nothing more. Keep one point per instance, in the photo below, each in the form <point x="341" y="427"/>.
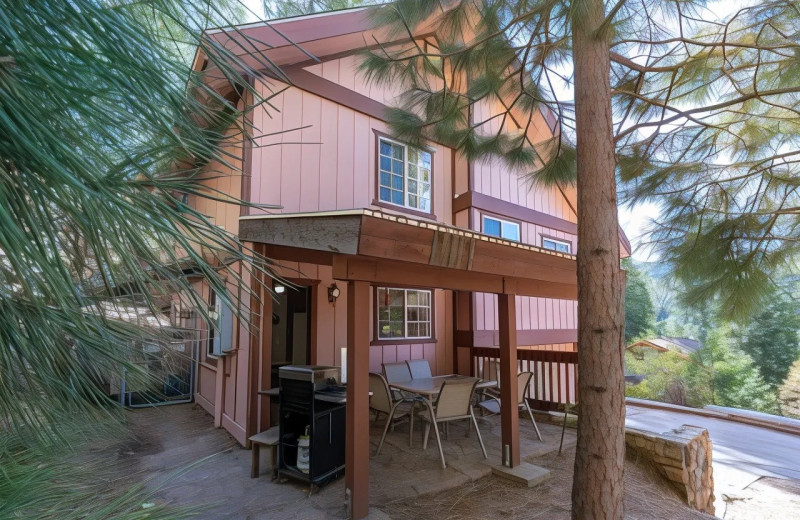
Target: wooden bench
<point x="266" y="438"/>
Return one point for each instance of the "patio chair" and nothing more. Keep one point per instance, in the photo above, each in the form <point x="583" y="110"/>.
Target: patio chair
<point x="397" y="373"/>
<point x="381" y="402"/>
<point x="492" y="405"/>
<point x="453" y="404"/>
<point x="419" y="368"/>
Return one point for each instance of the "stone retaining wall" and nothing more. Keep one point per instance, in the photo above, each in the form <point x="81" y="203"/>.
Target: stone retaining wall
<point x="683" y="456"/>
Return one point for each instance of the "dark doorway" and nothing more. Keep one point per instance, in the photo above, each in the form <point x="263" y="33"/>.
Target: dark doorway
<point x="291" y="328"/>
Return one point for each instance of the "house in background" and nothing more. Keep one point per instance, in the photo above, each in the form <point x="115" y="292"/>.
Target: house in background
<point x="396" y="252"/>
<point x="685" y="347"/>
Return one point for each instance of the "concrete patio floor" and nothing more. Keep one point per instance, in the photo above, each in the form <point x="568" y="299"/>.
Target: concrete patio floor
<point x="179" y="452"/>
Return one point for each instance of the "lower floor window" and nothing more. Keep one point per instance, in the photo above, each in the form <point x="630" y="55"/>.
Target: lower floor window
<point x="404" y="313"/>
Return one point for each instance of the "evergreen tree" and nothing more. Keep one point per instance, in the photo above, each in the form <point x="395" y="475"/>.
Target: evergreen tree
<point x="771" y="338"/>
<point x="639" y="310"/>
<point x="703" y="120"/>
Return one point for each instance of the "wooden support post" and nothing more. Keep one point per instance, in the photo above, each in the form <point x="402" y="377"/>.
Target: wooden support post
<point x="265" y="368"/>
<point x="509" y="411"/>
<point x="357" y="446"/>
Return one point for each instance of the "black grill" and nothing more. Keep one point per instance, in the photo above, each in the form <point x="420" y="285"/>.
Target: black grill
<point x="310" y="397"/>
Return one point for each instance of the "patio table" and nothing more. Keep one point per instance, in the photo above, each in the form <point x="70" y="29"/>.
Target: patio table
<point x="429" y="387"/>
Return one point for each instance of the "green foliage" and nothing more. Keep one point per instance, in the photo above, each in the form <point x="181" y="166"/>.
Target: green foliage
<point x="771" y="338"/>
<point x="722" y="374"/>
<point x="705" y="117"/>
<point x="665" y="375"/>
<point x="68" y="479"/>
<point x="639" y="311"/>
<point x="789" y="392"/>
<point x="104" y="129"/>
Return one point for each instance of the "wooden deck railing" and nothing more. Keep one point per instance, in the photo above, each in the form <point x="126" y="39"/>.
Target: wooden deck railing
<point x="555" y="374"/>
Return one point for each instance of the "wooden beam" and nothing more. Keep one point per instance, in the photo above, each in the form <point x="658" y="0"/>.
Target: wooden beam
<point x="331" y="233"/>
<point x="357" y="422"/>
<point x="265" y="369"/>
<point x="509" y="411"/>
<point x="296" y="254"/>
<point x="391" y="272"/>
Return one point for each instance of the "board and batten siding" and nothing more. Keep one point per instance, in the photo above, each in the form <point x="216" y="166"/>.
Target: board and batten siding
<point x="312" y="154"/>
<point x="330" y="320"/>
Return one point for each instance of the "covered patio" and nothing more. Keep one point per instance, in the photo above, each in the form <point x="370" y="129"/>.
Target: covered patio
<point x="367" y="248"/>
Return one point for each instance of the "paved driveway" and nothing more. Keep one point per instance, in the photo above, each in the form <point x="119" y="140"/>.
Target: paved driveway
<point x="742" y="453"/>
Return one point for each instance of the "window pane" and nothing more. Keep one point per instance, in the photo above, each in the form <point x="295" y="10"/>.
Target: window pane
<point x="424" y="204"/>
<point x="424" y="297"/>
<point x="397" y="182"/>
<point x="397" y="167"/>
<point x="386" y="148"/>
<point x="397" y="197"/>
<point x="413" y="155"/>
<point x="491" y="226"/>
<point x="510" y="231"/>
<point x="426" y="160"/>
<point x="385" y="194"/>
<point x="564" y="248"/>
<point x="412" y="171"/>
<point x="385" y="178"/>
<point x="397" y="152"/>
<point x="413" y="330"/>
<point x="413" y="297"/>
<point x="412" y="187"/>
<point x="386" y="164"/>
<point x="426" y="175"/>
<point x="413" y="202"/>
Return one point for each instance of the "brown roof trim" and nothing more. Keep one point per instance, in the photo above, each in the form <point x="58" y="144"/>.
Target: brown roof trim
<point x="331" y="91"/>
<point x="295" y="32"/>
<point x="500" y="207"/>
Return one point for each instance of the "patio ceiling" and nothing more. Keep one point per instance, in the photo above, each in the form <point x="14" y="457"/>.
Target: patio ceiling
<point x="378" y="247"/>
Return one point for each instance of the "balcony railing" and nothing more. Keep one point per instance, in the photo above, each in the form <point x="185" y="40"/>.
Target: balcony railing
<point x="555" y="373"/>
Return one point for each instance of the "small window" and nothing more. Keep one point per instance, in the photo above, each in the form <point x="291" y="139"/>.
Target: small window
<point x="501" y="228"/>
<point x="557" y="245"/>
<point x="404" y="175"/>
<point x="404" y="313"/>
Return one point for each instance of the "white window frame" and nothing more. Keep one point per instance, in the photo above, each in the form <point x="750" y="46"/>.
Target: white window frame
<point x="406" y="193"/>
<point x="555" y="243"/>
<point x="405" y="314"/>
<point x="502" y="222"/>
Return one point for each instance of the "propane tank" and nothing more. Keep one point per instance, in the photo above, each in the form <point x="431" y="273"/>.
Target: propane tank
<point x="303" y="451"/>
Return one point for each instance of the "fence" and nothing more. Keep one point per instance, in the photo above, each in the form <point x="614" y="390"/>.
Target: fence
<point x="555" y="374"/>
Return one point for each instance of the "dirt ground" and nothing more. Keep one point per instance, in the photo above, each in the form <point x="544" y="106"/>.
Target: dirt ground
<point x="188" y="462"/>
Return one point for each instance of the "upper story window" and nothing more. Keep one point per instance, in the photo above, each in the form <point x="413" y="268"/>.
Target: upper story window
<point x="498" y="227"/>
<point x="403" y="313"/>
<point x="404" y="175"/>
<point x="557" y="245"/>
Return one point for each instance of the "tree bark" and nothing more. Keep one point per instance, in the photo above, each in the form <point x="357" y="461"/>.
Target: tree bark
<point x="599" y="461"/>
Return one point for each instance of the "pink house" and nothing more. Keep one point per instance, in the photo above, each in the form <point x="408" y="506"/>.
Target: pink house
<point x="397" y="253"/>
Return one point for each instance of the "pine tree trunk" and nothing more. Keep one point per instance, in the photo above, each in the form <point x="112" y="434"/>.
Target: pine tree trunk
<point x="597" y="487"/>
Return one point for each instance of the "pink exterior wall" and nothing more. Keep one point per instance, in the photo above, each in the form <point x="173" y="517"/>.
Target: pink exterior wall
<point x="225" y="379"/>
<point x="330" y="164"/>
<point x="331" y="325"/>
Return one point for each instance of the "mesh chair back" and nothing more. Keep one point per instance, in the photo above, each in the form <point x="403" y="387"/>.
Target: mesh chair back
<point x="396" y="372"/>
<point x="419" y="368"/>
<point x="381" y="399"/>
<point x="523" y="380"/>
<point x="455" y="398"/>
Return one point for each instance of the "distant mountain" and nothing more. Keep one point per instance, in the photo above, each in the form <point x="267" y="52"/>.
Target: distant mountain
<point x="656" y="270"/>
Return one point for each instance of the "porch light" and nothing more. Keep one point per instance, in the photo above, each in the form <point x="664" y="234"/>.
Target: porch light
<point x="333" y="293"/>
<point x="280" y="289"/>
